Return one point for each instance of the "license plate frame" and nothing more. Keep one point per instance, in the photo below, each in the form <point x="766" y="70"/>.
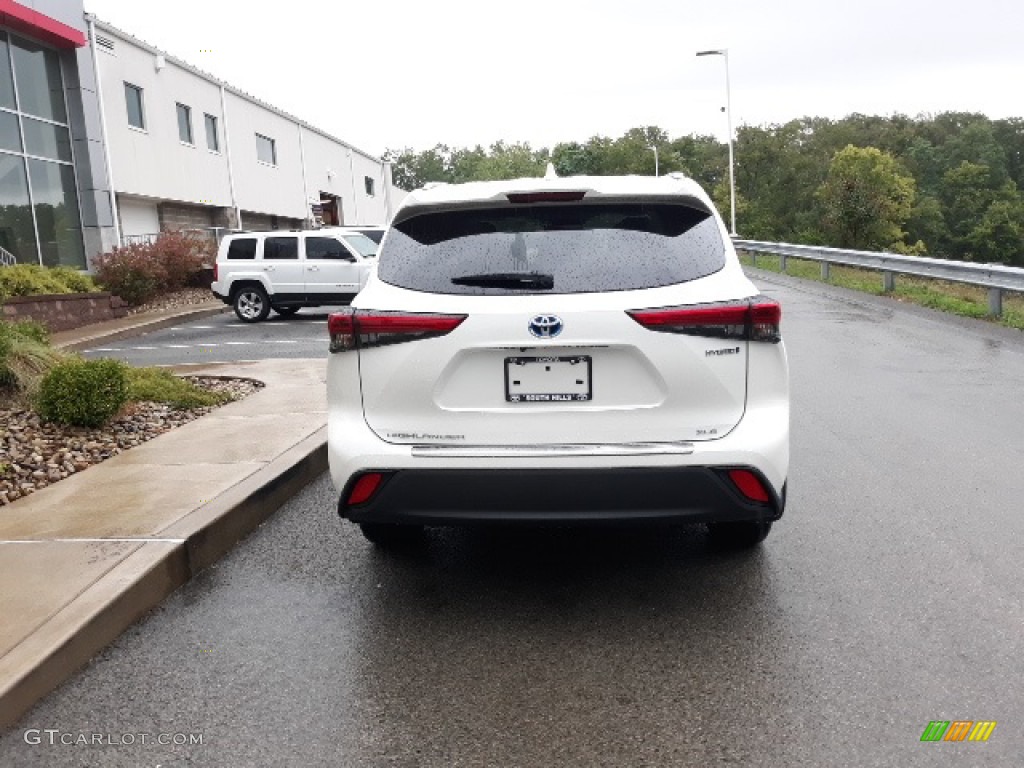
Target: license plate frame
<point x="566" y="364"/>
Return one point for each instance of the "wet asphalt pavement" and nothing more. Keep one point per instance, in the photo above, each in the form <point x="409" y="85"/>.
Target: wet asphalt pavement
<point x="224" y="338"/>
<point x="890" y="595"/>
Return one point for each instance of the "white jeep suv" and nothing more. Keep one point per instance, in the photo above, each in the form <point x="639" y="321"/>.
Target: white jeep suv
<point x="285" y="271"/>
<point x="559" y="350"/>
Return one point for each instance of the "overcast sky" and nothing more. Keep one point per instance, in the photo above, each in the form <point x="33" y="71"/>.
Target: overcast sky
<point x="413" y="73"/>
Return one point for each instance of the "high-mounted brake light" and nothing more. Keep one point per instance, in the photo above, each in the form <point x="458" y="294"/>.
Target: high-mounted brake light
<point x="752" y="320"/>
<point x="545" y="197"/>
<point x="365" y="328"/>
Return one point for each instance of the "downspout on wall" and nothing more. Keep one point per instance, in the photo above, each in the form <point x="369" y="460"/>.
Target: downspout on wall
<point x="308" y="219"/>
<point x="227" y="151"/>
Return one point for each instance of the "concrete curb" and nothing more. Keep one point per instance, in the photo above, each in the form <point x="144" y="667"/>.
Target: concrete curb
<point x="144" y="326"/>
<point x="140" y="582"/>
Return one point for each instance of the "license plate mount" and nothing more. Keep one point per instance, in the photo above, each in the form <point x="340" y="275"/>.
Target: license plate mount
<point x="542" y="379"/>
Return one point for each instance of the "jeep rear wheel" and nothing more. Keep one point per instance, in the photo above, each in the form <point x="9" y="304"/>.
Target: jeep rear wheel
<point x="251" y="304"/>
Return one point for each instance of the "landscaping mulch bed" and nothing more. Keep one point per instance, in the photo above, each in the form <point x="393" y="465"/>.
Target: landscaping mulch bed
<point x="35" y="454"/>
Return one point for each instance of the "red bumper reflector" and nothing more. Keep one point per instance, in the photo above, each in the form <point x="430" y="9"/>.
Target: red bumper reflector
<point x="749" y="485"/>
<point x="364" y="488"/>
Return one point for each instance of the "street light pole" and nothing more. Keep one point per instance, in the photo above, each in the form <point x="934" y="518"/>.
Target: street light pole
<point x="655" y="158"/>
<point x="724" y="52"/>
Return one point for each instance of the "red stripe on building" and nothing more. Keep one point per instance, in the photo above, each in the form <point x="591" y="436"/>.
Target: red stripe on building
<point x="37" y="25"/>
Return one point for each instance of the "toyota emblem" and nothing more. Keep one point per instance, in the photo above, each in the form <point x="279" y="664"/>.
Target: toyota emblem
<point x="545" y="326"/>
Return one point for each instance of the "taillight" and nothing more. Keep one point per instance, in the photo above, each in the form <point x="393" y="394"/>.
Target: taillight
<point x="754" y="319"/>
<point x="216" y="271"/>
<point x="765" y="318"/>
<point x="365" y="328"/>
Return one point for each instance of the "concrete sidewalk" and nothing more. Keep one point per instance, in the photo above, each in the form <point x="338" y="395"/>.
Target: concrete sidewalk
<point x="83" y="559"/>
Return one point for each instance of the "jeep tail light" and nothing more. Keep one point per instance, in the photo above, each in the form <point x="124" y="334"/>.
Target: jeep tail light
<point x="754" y="319"/>
<point x="364" y="328"/>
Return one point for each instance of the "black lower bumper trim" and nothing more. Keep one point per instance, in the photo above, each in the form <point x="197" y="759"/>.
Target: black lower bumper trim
<point x="559" y="496"/>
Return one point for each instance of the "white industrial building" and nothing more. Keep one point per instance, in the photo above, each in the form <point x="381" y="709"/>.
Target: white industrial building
<point x="105" y="139"/>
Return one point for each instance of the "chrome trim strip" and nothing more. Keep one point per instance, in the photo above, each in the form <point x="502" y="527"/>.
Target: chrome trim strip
<point x="554" y="450"/>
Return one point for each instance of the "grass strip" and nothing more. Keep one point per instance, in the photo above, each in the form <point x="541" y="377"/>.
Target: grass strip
<point x="956" y="298"/>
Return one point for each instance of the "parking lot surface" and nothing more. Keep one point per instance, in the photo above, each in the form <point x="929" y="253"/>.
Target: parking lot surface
<point x="889" y="596"/>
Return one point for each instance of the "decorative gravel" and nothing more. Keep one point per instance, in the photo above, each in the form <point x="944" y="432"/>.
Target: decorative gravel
<point x="188" y="297"/>
<point x="35" y="454"/>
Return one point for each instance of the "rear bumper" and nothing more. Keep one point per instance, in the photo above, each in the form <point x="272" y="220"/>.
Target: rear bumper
<point x="560" y="496"/>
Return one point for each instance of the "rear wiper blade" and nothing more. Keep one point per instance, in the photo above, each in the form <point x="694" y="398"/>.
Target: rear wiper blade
<point x="513" y="280"/>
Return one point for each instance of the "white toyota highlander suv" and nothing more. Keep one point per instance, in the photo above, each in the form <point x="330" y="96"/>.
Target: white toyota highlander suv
<point x="559" y="350"/>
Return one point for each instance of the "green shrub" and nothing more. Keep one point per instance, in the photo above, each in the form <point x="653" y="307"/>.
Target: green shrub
<point x="161" y="386"/>
<point x="76" y="282"/>
<point x="83" y="393"/>
<point x="35" y="280"/>
<point x="28" y="329"/>
<point x="25" y="356"/>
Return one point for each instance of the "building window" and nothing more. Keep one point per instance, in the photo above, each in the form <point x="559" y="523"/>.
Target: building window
<point x="185" y="124"/>
<point x="39" y="215"/>
<point x="212" y="141"/>
<point x="38" y="80"/>
<point x="46" y="140"/>
<point x="368" y="183"/>
<point x="6" y="76"/>
<point x="266" y="150"/>
<point x="133" y="98"/>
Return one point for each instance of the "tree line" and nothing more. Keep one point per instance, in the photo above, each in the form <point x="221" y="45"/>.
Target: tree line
<point x="946" y="185"/>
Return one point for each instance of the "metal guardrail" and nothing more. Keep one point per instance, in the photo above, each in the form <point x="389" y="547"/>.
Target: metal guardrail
<point x="994" y="277"/>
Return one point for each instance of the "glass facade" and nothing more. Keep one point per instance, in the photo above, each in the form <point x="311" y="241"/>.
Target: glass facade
<point x="40" y="222"/>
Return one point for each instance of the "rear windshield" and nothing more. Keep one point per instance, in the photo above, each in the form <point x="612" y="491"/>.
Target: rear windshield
<point x="579" y="248"/>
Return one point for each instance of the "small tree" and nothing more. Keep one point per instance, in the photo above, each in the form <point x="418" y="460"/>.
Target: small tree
<point x="866" y="199"/>
<point x="999" y="236"/>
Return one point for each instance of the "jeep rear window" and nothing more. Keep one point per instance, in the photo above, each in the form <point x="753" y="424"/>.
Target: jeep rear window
<point x="242" y="248"/>
<point x="577" y="248"/>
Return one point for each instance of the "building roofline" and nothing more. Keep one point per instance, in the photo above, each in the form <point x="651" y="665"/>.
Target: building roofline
<point x="29" y="21"/>
<point x="107" y="27"/>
